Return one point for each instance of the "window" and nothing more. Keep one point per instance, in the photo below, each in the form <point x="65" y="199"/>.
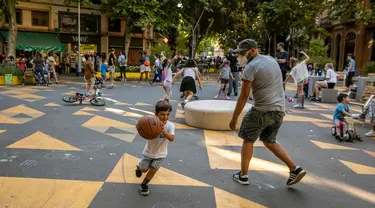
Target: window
<point x="40" y="18"/>
<point x="114" y="25"/>
<point x="18" y="17"/>
<point x="68" y="22"/>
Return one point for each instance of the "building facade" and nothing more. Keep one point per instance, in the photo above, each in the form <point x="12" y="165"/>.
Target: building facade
<point x="350" y="38"/>
<point x="99" y="32"/>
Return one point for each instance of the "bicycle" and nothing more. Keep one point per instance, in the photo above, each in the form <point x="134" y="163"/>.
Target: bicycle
<point x="94" y="99"/>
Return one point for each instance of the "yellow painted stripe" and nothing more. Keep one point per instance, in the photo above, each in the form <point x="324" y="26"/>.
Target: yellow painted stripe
<point x="358" y="168"/>
<point x="42" y="141"/>
<point x="225" y="199"/>
<point x="124" y="173"/>
<point x="35" y="193"/>
<point x="325" y="145"/>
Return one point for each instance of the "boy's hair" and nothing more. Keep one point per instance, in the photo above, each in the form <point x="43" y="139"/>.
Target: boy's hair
<point x="162" y="106"/>
<point x="293" y="61"/>
<point x="341" y="97"/>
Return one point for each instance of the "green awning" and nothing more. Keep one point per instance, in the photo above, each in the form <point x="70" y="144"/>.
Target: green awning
<point x="36" y="41"/>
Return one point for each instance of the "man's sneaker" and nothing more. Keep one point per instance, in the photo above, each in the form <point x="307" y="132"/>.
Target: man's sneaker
<point x="295" y="176"/>
<point x="138" y="172"/>
<point x="370" y="133"/>
<point x="144" y="190"/>
<point x="244" y="180"/>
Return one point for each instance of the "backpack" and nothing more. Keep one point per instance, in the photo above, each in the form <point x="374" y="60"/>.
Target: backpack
<point x="122" y="61"/>
<point x="147" y="61"/>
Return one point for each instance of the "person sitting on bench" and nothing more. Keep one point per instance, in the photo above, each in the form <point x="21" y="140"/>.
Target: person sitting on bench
<point x="330" y="82"/>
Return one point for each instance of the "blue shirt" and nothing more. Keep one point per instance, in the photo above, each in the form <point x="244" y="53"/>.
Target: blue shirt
<point x="103" y="68"/>
<point x="353" y="66"/>
<point x="338" y="114"/>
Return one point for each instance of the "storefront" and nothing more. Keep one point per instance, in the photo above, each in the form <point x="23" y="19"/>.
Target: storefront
<point x="89" y="44"/>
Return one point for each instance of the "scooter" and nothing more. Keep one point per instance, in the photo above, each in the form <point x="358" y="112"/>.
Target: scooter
<point x="348" y="131"/>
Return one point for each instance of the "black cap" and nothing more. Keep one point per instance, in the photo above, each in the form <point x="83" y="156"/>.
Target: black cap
<point x="245" y="45"/>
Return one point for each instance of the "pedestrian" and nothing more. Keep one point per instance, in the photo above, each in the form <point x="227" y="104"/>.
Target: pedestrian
<point x="350" y="70"/>
<point x="217" y="63"/>
<point x="233" y="83"/>
<point x="145" y="66"/>
<point x="282" y="58"/>
<point x="51" y="67"/>
<point x="89" y="76"/>
<point x="224" y="77"/>
<point x="188" y="86"/>
<point x="156" y="150"/>
<point x="38" y="66"/>
<point x="300" y="75"/>
<point x="263" y="76"/>
<point x="122" y="60"/>
<point x="112" y="66"/>
<point x="67" y="64"/>
<point x="103" y="70"/>
<point x="167" y="83"/>
<point x="157" y="70"/>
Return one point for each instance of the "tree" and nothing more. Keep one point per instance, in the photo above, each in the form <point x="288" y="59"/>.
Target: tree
<point x="8" y="7"/>
<point x="318" y="52"/>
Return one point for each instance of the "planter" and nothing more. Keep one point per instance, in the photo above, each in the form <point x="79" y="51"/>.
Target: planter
<point x="2" y="80"/>
<point x="16" y="80"/>
<point x="130" y="76"/>
<point x="371" y="74"/>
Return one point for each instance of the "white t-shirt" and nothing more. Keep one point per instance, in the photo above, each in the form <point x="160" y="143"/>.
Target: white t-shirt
<point x="300" y="72"/>
<point x="332" y="76"/>
<point x="168" y="73"/>
<point x="190" y="72"/>
<point x="157" y="148"/>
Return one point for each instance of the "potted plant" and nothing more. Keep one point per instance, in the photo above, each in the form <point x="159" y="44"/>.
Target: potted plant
<point x="14" y="71"/>
<point x="370" y="69"/>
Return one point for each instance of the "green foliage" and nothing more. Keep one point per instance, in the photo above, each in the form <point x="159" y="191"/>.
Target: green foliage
<point x="370" y="67"/>
<point x="8" y="69"/>
<point x="318" y="52"/>
<point x="159" y="47"/>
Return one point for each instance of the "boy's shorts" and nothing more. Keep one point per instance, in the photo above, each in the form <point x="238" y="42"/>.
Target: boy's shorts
<point x="336" y="122"/>
<point x="104" y="77"/>
<point x="147" y="163"/>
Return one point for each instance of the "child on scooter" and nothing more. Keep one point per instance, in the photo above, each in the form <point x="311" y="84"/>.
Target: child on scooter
<point x="342" y="110"/>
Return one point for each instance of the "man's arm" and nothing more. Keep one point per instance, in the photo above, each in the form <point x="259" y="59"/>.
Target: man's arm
<point x="242" y="99"/>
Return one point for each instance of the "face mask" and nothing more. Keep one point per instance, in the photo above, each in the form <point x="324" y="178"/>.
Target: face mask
<point x="325" y="69"/>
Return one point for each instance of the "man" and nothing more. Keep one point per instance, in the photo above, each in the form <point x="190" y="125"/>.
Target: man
<point x="145" y="66"/>
<point x="282" y="58"/>
<point x="350" y="70"/>
<point x="263" y="75"/>
<point x="89" y="75"/>
<point x="233" y="84"/>
<point x="112" y="65"/>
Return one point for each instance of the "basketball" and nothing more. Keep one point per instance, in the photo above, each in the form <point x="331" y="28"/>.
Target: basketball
<point x="149" y="127"/>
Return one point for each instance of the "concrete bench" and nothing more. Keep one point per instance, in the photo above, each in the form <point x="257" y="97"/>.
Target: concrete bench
<point x="329" y="95"/>
<point x="212" y="114"/>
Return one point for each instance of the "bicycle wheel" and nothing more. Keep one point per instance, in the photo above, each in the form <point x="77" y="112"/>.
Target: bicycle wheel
<point x="70" y="99"/>
<point x="97" y="102"/>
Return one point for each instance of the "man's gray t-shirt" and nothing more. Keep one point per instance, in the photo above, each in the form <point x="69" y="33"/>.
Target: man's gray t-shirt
<point x="268" y="92"/>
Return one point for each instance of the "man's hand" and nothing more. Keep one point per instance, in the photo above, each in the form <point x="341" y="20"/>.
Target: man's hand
<point x="233" y="123"/>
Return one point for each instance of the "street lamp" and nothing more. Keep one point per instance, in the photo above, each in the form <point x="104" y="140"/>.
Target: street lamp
<point x="79" y="36"/>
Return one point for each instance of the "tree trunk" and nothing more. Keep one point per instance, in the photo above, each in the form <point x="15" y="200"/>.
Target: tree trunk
<point x="127" y="38"/>
<point x="12" y="36"/>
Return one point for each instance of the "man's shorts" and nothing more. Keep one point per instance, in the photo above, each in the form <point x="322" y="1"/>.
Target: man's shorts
<point x="264" y="125"/>
<point x="147" y="163"/>
<point x="111" y="69"/>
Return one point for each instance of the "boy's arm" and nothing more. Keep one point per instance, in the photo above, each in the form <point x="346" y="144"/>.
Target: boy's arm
<point x="169" y="133"/>
<point x="346" y="113"/>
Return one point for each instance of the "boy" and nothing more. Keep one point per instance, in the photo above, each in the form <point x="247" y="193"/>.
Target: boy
<point x="103" y="70"/>
<point x="342" y="110"/>
<point x="156" y="150"/>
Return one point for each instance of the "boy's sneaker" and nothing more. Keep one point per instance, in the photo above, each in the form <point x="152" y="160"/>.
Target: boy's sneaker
<point x="138" y="172"/>
<point x="244" y="180"/>
<point x="339" y="138"/>
<point x="370" y="133"/>
<point x="297" y="106"/>
<point x="144" y="190"/>
<point x="295" y="176"/>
